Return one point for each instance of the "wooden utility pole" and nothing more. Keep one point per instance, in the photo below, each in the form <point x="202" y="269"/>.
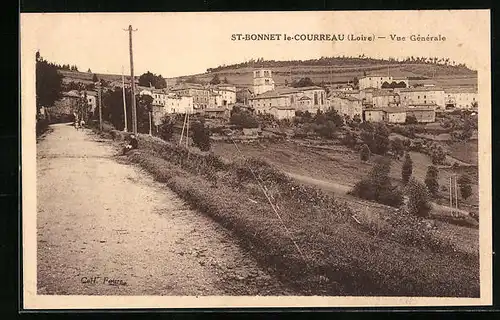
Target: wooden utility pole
<point x="124" y="103"/>
<point x="187" y="130"/>
<point x="99" y="93"/>
<point x="150" y="124"/>
<point x="451" y="201"/>
<point x="183" y="126"/>
<point x="134" y="111"/>
<point x="456" y="192"/>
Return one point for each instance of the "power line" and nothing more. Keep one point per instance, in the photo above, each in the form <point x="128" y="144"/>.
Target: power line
<point x="260" y="182"/>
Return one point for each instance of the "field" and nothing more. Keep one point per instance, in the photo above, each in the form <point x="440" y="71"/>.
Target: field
<point x="465" y="151"/>
<point x="337" y="168"/>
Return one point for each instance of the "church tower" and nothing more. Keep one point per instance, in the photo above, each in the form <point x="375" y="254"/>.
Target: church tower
<point x="262" y="81"/>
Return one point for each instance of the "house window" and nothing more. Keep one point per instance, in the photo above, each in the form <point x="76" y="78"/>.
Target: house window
<point x="266" y="73"/>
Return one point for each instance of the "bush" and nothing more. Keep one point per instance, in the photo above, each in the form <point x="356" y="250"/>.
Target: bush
<point x="418" y="198"/>
<point x="244" y="119"/>
<point x="438" y="155"/>
<point x="431" y="180"/>
<point x="327" y="130"/>
<point x="411" y="119"/>
<point x="166" y="128"/>
<point x="201" y="136"/>
<point x="464" y="183"/>
<point x="365" y="153"/>
<point x="407" y="168"/>
<point x="397" y="147"/>
<point x="349" y="139"/>
<point x="41" y="126"/>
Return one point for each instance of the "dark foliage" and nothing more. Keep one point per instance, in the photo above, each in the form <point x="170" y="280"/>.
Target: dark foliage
<point x="201" y="136"/>
<point x="150" y="79"/>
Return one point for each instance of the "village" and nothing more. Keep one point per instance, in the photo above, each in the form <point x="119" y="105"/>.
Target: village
<point x="374" y="98"/>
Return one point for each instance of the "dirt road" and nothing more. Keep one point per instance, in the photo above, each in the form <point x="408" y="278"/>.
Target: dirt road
<point x="107" y="228"/>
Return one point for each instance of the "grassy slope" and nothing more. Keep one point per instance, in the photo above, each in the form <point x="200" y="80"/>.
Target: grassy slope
<point x="340" y="165"/>
<point x="444" y="75"/>
<point x="343" y="258"/>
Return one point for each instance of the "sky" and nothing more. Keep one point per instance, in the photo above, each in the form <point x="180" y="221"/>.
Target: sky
<point x="176" y="44"/>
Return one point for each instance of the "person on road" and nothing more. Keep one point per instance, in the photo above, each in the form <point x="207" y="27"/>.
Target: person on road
<point x="132" y="144"/>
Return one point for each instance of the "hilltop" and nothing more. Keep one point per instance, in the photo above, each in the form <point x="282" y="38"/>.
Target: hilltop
<point x="323" y="70"/>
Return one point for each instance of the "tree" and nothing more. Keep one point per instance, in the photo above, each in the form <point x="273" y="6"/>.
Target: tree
<point x="397" y="147"/>
<point x="349" y="139"/>
<point x="438" y="155"/>
<point x="201" y="136"/>
<point x="411" y="119"/>
<point x="215" y="79"/>
<point x="407" y="168"/>
<point x="355" y="81"/>
<point x="95" y="78"/>
<point x="89" y="71"/>
<point x="225" y="80"/>
<point x="144" y="107"/>
<point x="377" y="186"/>
<point x="327" y="130"/>
<point x="112" y="110"/>
<point x="48" y="83"/>
<point x="365" y="153"/>
<point x="356" y="119"/>
<point x="166" y="128"/>
<point x="303" y="82"/>
<point x="418" y="198"/>
<point x="376" y="136"/>
<point x="244" y="119"/>
<point x="150" y="79"/>
<point x="467" y="130"/>
<point x="431" y="180"/>
<point x="464" y="183"/>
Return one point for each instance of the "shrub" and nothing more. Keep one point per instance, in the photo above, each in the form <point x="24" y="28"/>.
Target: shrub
<point x="349" y="139"/>
<point x="411" y="119"/>
<point x="431" y="180"/>
<point x="397" y="147"/>
<point x="364" y="189"/>
<point x="166" y="128"/>
<point x="41" y="126"/>
<point x="327" y="130"/>
<point x="201" y="136"/>
<point x="407" y="168"/>
<point x="391" y="196"/>
<point x="365" y="153"/>
<point x="418" y="198"/>
<point x="464" y="183"/>
<point x="438" y="155"/>
<point x="244" y="119"/>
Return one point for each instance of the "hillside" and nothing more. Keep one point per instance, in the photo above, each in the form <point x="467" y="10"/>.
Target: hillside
<point x="444" y="75"/>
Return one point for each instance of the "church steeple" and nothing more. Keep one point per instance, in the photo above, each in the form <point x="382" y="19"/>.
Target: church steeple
<point x="262" y="81"/>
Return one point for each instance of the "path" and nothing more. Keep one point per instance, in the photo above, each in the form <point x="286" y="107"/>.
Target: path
<point x="342" y="190"/>
<point x="102" y="224"/>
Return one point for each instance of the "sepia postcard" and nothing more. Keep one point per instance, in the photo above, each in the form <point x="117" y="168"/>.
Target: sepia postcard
<point x="256" y="159"/>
